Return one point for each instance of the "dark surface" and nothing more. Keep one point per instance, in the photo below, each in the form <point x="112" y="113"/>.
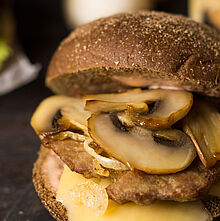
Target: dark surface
<point x="40" y="27"/>
<point x="28" y="208"/>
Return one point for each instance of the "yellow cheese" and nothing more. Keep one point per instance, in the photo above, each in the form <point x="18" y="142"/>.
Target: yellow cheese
<point x="160" y="211"/>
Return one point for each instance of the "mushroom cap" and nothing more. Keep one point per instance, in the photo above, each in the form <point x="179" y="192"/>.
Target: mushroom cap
<point x="140" y="49"/>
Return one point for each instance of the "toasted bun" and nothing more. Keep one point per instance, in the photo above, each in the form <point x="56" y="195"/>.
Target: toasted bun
<point x="46" y="175"/>
<point x="154" y="47"/>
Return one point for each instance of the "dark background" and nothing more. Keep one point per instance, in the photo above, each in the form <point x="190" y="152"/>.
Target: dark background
<point x="40" y="27"/>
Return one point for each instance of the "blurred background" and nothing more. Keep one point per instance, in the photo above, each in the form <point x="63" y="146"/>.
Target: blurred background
<point x="30" y="31"/>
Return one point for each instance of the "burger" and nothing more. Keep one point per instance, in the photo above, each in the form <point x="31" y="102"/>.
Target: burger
<point x="133" y="133"/>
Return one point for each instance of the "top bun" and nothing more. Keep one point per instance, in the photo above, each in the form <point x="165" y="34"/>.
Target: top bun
<point x="139" y="49"/>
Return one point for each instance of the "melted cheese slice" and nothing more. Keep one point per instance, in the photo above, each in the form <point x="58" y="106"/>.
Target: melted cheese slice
<point x="160" y="211"/>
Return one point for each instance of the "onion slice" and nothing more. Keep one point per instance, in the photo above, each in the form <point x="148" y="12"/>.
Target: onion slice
<point x="68" y="134"/>
<point x="104" y="161"/>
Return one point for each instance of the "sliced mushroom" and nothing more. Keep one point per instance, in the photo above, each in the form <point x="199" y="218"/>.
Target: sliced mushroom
<point x="104" y="106"/>
<point x="168" y="134"/>
<point x="115" y="97"/>
<point x="139" y="148"/>
<point x="125" y="119"/>
<point x="203" y="126"/>
<point x="206" y="156"/>
<point x="58" y="113"/>
<point x="170" y="106"/>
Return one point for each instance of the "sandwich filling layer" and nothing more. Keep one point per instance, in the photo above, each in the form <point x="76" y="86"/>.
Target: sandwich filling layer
<point x="67" y="185"/>
<point x="151" y="144"/>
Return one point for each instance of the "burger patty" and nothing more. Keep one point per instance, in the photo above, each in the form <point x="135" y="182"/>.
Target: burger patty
<point x="143" y="188"/>
<point x="137" y="186"/>
<point x="72" y="153"/>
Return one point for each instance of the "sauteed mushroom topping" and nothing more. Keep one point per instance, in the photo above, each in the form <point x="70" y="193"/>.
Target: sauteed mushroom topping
<point x="134" y="127"/>
<point x="136" y="146"/>
<point x="104" y="106"/>
<point x="59" y="113"/>
<point x="169" y="106"/>
<point x="203" y="126"/>
<point x="114" y="97"/>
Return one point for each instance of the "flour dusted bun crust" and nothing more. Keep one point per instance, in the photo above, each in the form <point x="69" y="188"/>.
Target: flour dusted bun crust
<point x="150" y="46"/>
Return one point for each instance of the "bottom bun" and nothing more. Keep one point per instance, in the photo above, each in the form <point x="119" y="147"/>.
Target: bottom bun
<point x="47" y="173"/>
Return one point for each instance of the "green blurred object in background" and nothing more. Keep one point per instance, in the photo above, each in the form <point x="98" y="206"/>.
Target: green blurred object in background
<point x="5" y="51"/>
<point x="6" y="35"/>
